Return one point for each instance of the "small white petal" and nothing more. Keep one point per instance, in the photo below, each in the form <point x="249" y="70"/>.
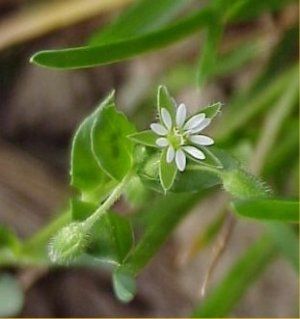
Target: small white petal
<point x="162" y="142"/>
<point x="201" y="140"/>
<point x="180" y="160"/>
<point x="201" y="126"/>
<point x="166" y="118"/>
<point x="194" y="121"/>
<point x="181" y="115"/>
<point x="170" y="154"/>
<point x="195" y="152"/>
<point x="158" y="129"/>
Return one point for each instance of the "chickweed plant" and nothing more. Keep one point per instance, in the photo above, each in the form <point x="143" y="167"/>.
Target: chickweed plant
<point x="166" y="169"/>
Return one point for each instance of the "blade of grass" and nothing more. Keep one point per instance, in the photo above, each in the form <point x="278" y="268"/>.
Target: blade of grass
<point x="83" y="57"/>
<point x="222" y="299"/>
<point x="268" y="209"/>
<point x="143" y="16"/>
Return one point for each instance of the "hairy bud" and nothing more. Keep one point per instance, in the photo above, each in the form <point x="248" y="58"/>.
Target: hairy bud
<point x="68" y="243"/>
<point x="243" y="185"/>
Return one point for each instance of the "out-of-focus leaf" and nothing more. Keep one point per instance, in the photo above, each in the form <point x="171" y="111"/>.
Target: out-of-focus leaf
<point x="221" y="300"/>
<point x="110" y="144"/>
<point x="209" y="51"/>
<point x="124" y="285"/>
<point x="86" y="174"/>
<point x="285" y="150"/>
<point x="83" y="57"/>
<point x="8" y="239"/>
<point x="143" y="16"/>
<point x="257" y="103"/>
<point x="11" y="296"/>
<point x="268" y="209"/>
<point x="287" y="241"/>
<point x="248" y="9"/>
<point x="164" y="215"/>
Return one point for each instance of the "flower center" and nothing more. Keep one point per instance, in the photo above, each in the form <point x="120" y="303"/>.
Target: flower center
<point x="176" y="138"/>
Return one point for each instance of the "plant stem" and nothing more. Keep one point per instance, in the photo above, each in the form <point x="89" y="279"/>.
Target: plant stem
<point x="111" y="199"/>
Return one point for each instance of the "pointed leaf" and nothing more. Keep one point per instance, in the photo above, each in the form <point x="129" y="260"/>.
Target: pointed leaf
<point x="89" y="56"/>
<point x="110" y="145"/>
<point x="86" y="174"/>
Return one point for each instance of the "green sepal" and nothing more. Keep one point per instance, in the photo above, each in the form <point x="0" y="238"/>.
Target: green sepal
<point x="167" y="171"/>
<point x="147" y="138"/>
<point x="164" y="100"/>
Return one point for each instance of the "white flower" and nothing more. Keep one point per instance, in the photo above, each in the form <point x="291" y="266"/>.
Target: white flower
<point x="181" y="137"/>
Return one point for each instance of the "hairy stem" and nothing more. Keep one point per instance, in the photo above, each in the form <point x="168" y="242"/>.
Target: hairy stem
<point x="111" y="199"/>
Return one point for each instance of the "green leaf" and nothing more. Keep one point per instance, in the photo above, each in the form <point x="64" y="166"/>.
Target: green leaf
<point x="110" y="145"/>
<point x="112" y="238"/>
<point x="11" y="296"/>
<point x="86" y="174"/>
<point x="124" y="285"/>
<point x="222" y="299"/>
<point x="87" y="56"/>
<point x="286" y="240"/>
<point x="194" y="180"/>
<point x="143" y="16"/>
<point x="147" y="138"/>
<point x="208" y="58"/>
<point x="163" y="216"/>
<point x="167" y="171"/>
<point x="81" y="210"/>
<point x="8" y="239"/>
<point x="164" y="100"/>
<point x="268" y="209"/>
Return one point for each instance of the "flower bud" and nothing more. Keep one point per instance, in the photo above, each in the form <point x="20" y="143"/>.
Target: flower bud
<point x="242" y="184"/>
<point x="68" y="243"/>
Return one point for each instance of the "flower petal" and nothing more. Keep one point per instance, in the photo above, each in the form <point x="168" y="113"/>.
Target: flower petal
<point x="166" y="118"/>
<point x="170" y="154"/>
<point x="180" y="160"/>
<point x="162" y="142"/>
<point x="201" y="126"/>
<point x="195" y="152"/>
<point x="201" y="140"/>
<point x="194" y="121"/>
<point x="158" y="129"/>
<point x="181" y="114"/>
